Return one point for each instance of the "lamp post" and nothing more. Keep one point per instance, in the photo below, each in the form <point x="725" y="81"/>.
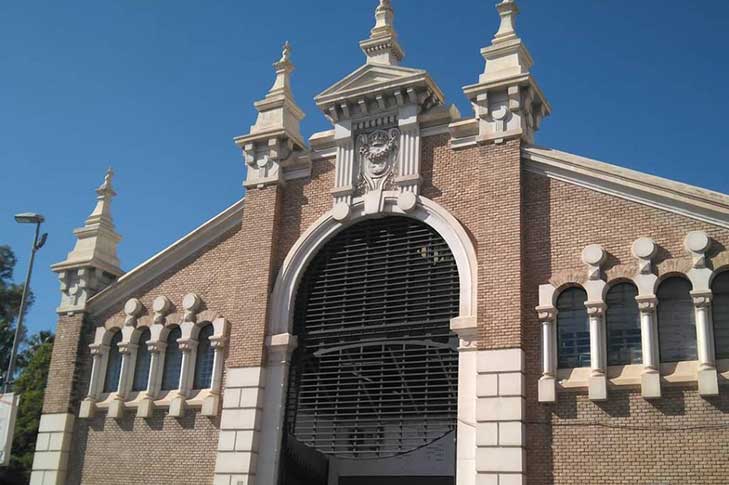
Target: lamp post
<point x="38" y="242"/>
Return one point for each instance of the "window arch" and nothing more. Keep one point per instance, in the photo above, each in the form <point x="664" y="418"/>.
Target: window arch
<point x="113" y="364"/>
<point x="142" y="364"/>
<point x="573" y="329"/>
<point x="622" y="320"/>
<point x="676" y="321"/>
<point x="720" y="306"/>
<point x="173" y="361"/>
<point x="205" y="358"/>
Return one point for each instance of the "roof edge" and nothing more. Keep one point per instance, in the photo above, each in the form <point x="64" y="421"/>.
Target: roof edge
<point x="163" y="261"/>
<point x="677" y="197"/>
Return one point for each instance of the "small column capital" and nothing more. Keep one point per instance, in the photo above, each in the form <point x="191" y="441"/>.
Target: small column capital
<point x="187" y="344"/>
<point x="595" y="309"/>
<point x="547" y="314"/>
<point x="647" y="304"/>
<point x="702" y="299"/>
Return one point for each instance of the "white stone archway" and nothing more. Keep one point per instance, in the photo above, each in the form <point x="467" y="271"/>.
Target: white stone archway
<point x="281" y="342"/>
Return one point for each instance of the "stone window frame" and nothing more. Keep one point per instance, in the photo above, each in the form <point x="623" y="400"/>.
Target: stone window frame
<point x="145" y="402"/>
<point x="651" y="374"/>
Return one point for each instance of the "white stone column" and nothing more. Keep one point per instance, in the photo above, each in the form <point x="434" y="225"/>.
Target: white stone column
<point x="188" y="347"/>
<point x="650" y="381"/>
<point x="211" y="403"/>
<point x="52" y="449"/>
<point x="128" y="354"/>
<point x="598" y="374"/>
<point x="154" y="382"/>
<point x="707" y="374"/>
<point x="99" y="355"/>
<point x="240" y="427"/>
<point x="500" y="413"/>
<point x="467" y="332"/>
<point x="280" y="348"/>
<point x="548" y="382"/>
<point x="408" y="177"/>
<point x="345" y="167"/>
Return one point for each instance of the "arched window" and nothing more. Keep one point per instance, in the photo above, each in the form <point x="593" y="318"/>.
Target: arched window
<point x="173" y="361"/>
<point x="113" y="364"/>
<point x="141" y="367"/>
<point x="720" y="306"/>
<point x="205" y="357"/>
<point x="573" y="329"/>
<point x="623" y="325"/>
<point x="676" y="321"/>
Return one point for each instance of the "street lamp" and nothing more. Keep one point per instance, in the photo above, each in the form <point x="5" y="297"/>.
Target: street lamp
<point x="25" y="218"/>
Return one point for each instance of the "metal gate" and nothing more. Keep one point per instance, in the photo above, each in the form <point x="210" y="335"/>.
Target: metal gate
<point x="376" y="370"/>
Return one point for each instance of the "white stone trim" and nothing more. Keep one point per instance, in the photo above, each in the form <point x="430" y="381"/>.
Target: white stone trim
<point x="240" y="427"/>
<point x="679" y="198"/>
<point x="146" y="401"/>
<point x="52" y="449"/>
<point x="697" y="244"/>
<point x="133" y="281"/>
<point x="500" y="415"/>
<point x="281" y="306"/>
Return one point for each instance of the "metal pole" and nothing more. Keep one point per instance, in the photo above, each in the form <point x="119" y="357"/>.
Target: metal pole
<point x="23" y="301"/>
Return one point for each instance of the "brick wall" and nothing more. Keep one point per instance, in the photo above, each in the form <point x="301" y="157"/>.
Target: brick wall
<point x="627" y="439"/>
<point x="160" y="450"/>
<point x="62" y="390"/>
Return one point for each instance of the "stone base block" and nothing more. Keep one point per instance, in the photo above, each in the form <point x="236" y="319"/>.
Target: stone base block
<point x="547" y="389"/>
<point x="708" y="382"/>
<point x="211" y="405"/>
<point x="650" y="385"/>
<point x="597" y="390"/>
<point x="87" y="409"/>
<point x="116" y="409"/>
<point x="145" y="408"/>
<point x="177" y="407"/>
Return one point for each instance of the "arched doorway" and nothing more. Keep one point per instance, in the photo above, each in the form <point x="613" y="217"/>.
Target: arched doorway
<point x="373" y="384"/>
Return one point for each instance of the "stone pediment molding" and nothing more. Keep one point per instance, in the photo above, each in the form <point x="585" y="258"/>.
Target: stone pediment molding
<point x="375" y="87"/>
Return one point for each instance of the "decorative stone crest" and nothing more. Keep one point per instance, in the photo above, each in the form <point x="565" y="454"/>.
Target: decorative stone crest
<point x="378" y="152"/>
<point x="162" y="307"/>
<point x="132" y="309"/>
<point x="644" y="250"/>
<point x="697" y="243"/>
<point x="594" y="257"/>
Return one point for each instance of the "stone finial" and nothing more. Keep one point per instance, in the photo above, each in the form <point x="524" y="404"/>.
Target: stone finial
<point x="594" y="257"/>
<point x="276" y="134"/>
<point x="644" y="250"/>
<point x="132" y="309"/>
<point x="161" y="306"/>
<point x="191" y="304"/>
<point x="508" y="12"/>
<point x="507" y="100"/>
<point x="382" y="46"/>
<point x="93" y="263"/>
<point x="697" y="243"/>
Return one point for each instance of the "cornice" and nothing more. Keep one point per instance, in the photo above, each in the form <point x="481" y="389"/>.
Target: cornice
<point x="676" y="197"/>
<point x="125" y="287"/>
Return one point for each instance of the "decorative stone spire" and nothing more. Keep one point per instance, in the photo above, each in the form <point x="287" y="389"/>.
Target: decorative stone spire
<point x="276" y="133"/>
<point x="382" y="46"/>
<point x="507" y="100"/>
<point x="93" y="263"/>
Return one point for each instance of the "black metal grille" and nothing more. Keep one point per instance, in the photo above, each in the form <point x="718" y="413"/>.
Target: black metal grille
<point x="376" y="370"/>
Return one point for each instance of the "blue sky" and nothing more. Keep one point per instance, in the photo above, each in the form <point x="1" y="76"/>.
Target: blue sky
<point x="158" y="89"/>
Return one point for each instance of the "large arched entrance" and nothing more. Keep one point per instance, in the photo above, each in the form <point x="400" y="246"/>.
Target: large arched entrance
<point x="373" y="384"/>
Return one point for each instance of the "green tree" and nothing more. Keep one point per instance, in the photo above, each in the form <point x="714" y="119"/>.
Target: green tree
<point x="31" y="385"/>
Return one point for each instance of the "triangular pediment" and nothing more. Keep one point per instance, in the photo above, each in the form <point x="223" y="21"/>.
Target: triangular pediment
<point x="371" y="77"/>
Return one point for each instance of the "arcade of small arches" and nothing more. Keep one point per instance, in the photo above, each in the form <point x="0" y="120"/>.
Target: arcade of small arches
<point x="166" y="364"/>
<point x="646" y="330"/>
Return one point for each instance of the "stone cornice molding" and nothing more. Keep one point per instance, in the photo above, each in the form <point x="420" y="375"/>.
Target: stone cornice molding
<point x="167" y="259"/>
<point x="676" y="197"/>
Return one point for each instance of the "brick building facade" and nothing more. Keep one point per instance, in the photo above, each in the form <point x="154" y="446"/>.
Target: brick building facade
<point x="589" y="307"/>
